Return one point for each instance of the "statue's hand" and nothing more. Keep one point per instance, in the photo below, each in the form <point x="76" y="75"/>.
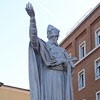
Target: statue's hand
<point x="60" y="61"/>
<point x="30" y="10"/>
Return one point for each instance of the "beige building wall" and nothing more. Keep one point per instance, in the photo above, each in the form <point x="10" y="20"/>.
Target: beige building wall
<point x="13" y="93"/>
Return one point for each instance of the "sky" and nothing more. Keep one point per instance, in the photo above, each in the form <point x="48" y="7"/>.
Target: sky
<point x="14" y="29"/>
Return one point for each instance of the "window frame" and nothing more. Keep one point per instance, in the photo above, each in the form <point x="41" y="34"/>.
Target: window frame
<point x="97" y="94"/>
<point x="95" y="67"/>
<point x="70" y="55"/>
<point x="96" y="37"/>
<point x="82" y="71"/>
<point x="83" y="44"/>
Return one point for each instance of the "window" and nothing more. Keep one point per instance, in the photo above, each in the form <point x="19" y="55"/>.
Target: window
<point x="69" y="55"/>
<point x="97" y="68"/>
<point x="97" y="37"/>
<point x="98" y="95"/>
<point x="82" y="50"/>
<point x="81" y="79"/>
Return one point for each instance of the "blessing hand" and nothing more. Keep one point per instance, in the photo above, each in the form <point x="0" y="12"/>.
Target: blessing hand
<point x="30" y="10"/>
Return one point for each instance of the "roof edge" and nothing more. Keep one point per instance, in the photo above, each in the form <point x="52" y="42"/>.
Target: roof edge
<point x="2" y="84"/>
<point x="80" y="22"/>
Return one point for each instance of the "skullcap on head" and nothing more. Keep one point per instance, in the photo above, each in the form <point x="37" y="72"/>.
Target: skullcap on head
<point x="50" y="28"/>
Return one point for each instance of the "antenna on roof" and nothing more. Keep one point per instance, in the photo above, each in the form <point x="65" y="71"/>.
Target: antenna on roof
<point x="1" y="84"/>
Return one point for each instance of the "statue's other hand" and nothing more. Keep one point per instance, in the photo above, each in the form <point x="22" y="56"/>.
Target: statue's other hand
<point x="59" y="61"/>
<point x="30" y="10"/>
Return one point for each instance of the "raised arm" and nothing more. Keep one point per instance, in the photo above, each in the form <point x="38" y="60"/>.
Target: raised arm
<point x="32" y="28"/>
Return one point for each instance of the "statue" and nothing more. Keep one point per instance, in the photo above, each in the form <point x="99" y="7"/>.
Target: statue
<point x="50" y="67"/>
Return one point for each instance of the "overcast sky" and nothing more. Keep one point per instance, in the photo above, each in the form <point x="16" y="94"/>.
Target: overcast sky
<point x="14" y="27"/>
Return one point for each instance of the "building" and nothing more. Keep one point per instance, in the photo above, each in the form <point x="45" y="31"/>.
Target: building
<point x="84" y="43"/>
<point x="13" y="93"/>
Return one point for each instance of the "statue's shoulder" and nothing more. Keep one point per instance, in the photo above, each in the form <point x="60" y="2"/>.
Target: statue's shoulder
<point x="42" y="43"/>
<point x="48" y="45"/>
<point x="40" y="40"/>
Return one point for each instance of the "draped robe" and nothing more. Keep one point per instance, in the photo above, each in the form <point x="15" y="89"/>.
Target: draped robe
<point x="49" y="83"/>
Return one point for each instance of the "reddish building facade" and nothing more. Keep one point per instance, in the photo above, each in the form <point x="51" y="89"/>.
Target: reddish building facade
<point x="84" y="43"/>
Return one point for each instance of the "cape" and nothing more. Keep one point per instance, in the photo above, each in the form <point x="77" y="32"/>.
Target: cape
<point x="36" y="79"/>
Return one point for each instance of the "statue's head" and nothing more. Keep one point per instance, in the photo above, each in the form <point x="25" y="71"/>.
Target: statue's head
<point x="52" y="32"/>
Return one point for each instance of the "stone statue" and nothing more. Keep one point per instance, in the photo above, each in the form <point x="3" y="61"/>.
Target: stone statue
<point x="50" y="67"/>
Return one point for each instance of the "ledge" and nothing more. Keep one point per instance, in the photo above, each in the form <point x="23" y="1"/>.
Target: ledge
<point x="87" y="55"/>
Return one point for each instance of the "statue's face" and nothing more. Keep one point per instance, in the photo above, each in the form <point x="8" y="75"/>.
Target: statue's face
<point x="53" y="37"/>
